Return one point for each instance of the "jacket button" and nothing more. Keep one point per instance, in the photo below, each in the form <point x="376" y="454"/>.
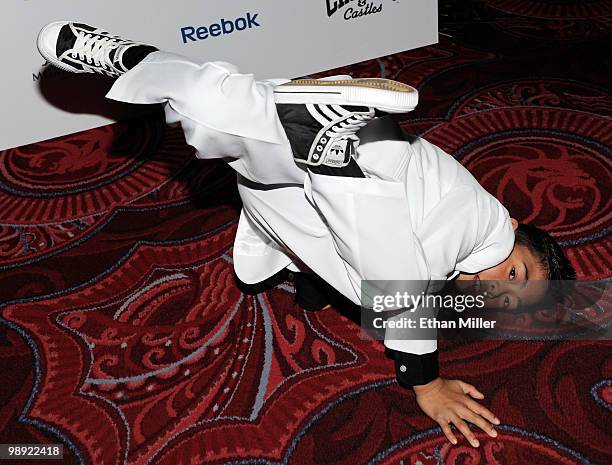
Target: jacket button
<point x="403" y="368"/>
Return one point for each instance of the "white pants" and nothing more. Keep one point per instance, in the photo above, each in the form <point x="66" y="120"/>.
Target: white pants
<point x="343" y="229"/>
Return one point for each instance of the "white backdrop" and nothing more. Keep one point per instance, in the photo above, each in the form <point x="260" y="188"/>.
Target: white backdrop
<point x="285" y="38"/>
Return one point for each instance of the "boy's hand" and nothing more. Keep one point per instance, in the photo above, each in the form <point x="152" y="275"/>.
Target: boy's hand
<point x="448" y="401"/>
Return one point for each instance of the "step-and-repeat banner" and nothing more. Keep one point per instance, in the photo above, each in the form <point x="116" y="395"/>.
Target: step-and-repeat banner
<point x="269" y="38"/>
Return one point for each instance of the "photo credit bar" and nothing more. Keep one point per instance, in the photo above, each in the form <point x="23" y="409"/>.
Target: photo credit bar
<point x="460" y="310"/>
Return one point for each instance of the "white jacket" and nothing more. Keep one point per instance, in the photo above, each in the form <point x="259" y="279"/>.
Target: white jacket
<point x="418" y="215"/>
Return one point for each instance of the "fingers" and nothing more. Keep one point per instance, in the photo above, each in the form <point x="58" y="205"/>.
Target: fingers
<point x="471" y="390"/>
<point x="465" y="430"/>
<point x="448" y="432"/>
<point x="482" y="411"/>
<point x="478" y="421"/>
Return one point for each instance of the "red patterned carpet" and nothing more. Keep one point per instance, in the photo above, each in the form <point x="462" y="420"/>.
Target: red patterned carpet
<point x="125" y="337"/>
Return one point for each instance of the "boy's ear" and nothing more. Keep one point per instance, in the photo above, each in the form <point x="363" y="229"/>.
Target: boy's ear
<point x="514" y="223"/>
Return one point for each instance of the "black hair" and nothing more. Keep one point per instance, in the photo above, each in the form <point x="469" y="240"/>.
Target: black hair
<point x="550" y="256"/>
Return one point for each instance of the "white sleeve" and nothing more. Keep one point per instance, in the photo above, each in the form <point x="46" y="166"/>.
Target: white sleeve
<point x="449" y="231"/>
<point x="496" y="236"/>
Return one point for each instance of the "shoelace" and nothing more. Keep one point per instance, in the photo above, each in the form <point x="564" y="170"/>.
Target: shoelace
<point x="348" y="128"/>
<point x="95" y="50"/>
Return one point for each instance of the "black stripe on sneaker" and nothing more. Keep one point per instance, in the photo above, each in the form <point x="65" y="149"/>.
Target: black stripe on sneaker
<point x="84" y="26"/>
<point x="318" y="115"/>
<point x="355" y="108"/>
<point x="74" y="64"/>
<point x="333" y="110"/>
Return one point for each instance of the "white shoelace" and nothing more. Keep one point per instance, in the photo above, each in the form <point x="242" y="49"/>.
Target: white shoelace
<point x="95" y="50"/>
<point x="348" y="128"/>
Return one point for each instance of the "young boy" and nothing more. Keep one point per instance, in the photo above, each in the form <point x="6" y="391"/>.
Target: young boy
<point x="394" y="209"/>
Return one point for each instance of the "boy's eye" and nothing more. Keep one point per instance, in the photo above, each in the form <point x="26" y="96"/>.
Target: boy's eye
<point x="513" y="273"/>
<point x="506" y="302"/>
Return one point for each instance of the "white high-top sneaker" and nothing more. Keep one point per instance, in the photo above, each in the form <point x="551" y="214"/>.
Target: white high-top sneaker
<point x="323" y="134"/>
<point x="321" y="117"/>
<point x="79" y="48"/>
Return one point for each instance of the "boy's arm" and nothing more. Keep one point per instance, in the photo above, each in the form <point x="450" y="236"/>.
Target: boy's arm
<point x="416" y="361"/>
<point x="370" y="222"/>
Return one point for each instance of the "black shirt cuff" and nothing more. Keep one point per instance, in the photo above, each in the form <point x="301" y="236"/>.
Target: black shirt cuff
<point x="413" y="370"/>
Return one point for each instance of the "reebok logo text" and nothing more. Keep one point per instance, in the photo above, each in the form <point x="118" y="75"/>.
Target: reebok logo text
<point x="224" y="26"/>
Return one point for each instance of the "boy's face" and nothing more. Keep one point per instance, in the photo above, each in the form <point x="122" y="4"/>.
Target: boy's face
<point x="518" y="280"/>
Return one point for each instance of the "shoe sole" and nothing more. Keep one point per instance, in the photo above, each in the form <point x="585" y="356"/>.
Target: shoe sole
<point x="50" y="56"/>
<point x="383" y="94"/>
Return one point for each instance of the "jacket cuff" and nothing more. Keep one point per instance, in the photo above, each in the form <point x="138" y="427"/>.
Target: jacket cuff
<point x="413" y="370"/>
